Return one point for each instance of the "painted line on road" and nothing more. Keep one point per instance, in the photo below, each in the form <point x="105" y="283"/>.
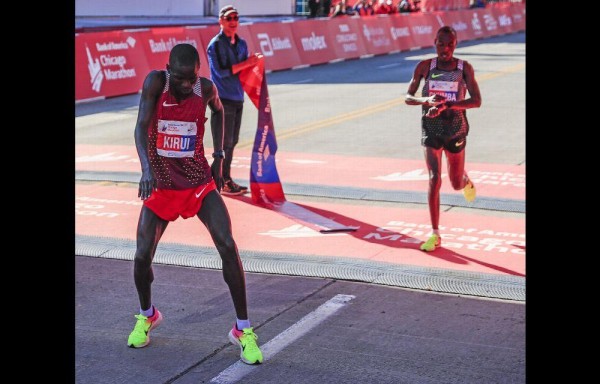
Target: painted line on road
<point x="237" y="371"/>
<point x="302" y="81"/>
<point x="389" y="65"/>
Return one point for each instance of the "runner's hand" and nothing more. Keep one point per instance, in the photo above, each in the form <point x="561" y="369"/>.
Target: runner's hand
<point x="435" y="99"/>
<point x="147" y="185"/>
<point x="436" y="110"/>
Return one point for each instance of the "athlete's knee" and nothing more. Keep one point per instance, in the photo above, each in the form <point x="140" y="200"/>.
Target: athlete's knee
<point x="457" y="183"/>
<point x="435" y="180"/>
<point x="142" y="259"/>
<point x="143" y="253"/>
<point x="458" y="180"/>
<point x="225" y="243"/>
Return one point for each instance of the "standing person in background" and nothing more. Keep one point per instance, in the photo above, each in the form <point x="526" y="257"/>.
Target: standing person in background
<point x="364" y="8"/>
<point x="178" y="181"/>
<point x="227" y="56"/>
<point x="326" y="8"/>
<point x="313" y="8"/>
<point x="444" y="122"/>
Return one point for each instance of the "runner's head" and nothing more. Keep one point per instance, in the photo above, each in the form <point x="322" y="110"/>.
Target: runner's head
<point x="445" y="43"/>
<point x="183" y="67"/>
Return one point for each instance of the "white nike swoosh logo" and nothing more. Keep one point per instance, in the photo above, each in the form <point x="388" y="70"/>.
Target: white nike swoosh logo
<point x="459" y="143"/>
<point x="434" y="75"/>
<point x="199" y="193"/>
<point x="168" y="105"/>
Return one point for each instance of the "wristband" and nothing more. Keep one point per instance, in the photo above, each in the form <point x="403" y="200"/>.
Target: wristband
<point x="220" y="154"/>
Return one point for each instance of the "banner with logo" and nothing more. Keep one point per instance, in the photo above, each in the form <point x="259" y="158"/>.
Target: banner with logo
<point x="115" y="63"/>
<point x="160" y="41"/>
<point x="109" y="63"/>
<point x="276" y="42"/>
<point x="348" y="40"/>
<point x="264" y="179"/>
<point x="265" y="185"/>
<point x="377" y="36"/>
<point x="314" y="44"/>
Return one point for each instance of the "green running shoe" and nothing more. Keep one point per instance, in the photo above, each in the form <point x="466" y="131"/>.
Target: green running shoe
<point x="140" y="336"/>
<point x="469" y="192"/>
<point x="432" y="243"/>
<point x="246" y="340"/>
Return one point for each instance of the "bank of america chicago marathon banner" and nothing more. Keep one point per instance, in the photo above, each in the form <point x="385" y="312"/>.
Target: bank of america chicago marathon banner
<point x="265" y="185"/>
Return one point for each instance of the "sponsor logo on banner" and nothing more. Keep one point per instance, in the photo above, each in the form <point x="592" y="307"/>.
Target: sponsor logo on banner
<point x="115" y="46"/>
<point x="490" y="23"/>
<point x="269" y="45"/>
<point x="504" y="21"/>
<point x="422" y="29"/>
<point x="399" y="32"/>
<point x="460" y="26"/>
<point x="313" y="43"/>
<point x="263" y="151"/>
<point x="95" y="70"/>
<point x="476" y="24"/>
<point x="440" y="21"/>
<point x="131" y="41"/>
<point x="107" y="65"/>
<point x="347" y="38"/>
<point x="376" y="35"/>
<point x="517" y="17"/>
<point x="166" y="45"/>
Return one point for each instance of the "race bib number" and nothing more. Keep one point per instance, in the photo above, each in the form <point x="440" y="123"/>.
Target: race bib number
<point x="448" y="89"/>
<point x="176" y="138"/>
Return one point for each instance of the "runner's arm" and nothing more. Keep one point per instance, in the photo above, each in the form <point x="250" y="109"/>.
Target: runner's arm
<point x="474" y="99"/>
<point x="420" y="73"/>
<point x="153" y="84"/>
<point x="217" y="118"/>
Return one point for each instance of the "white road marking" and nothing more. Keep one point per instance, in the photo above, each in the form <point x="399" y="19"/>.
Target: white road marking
<point x="302" y="81"/>
<point x="388" y="65"/>
<point x="236" y="371"/>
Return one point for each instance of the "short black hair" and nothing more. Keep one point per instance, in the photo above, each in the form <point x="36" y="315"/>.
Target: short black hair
<point x="447" y="29"/>
<point x="184" y="54"/>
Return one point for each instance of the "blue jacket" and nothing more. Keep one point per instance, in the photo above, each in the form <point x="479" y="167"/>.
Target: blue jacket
<point x="221" y="56"/>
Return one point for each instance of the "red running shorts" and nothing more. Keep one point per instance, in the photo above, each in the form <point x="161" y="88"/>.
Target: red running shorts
<point x="169" y="204"/>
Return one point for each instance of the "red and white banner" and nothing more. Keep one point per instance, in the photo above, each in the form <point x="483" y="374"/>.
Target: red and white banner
<point x="115" y="63"/>
<point x="160" y="41"/>
<point x="109" y="63"/>
<point x="314" y="44"/>
<point x="276" y="42"/>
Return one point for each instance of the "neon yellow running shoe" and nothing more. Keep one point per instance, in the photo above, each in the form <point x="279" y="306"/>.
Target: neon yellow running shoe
<point x="469" y="191"/>
<point x="140" y="336"/>
<point x="246" y="340"/>
<point x="432" y="243"/>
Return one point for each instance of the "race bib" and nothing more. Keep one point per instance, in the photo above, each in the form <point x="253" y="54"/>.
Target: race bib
<point x="176" y="138"/>
<point x="448" y="89"/>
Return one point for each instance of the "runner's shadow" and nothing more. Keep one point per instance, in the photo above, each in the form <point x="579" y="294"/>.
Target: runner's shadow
<point x="393" y="239"/>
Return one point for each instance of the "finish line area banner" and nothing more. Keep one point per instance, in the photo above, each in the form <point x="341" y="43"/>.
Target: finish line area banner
<point x="265" y="185"/>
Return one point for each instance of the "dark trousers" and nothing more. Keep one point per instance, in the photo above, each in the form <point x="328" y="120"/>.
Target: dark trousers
<point x="233" y="121"/>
